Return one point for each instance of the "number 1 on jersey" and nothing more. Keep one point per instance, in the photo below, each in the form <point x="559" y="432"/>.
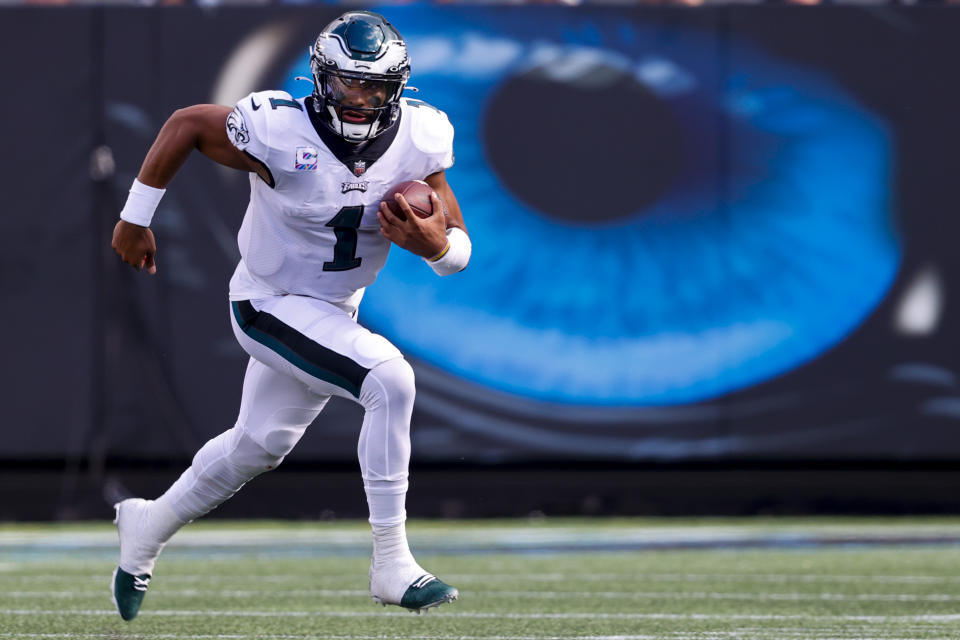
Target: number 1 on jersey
<point x="345" y="225"/>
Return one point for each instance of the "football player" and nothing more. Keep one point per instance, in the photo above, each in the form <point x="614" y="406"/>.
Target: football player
<point x="314" y="235"/>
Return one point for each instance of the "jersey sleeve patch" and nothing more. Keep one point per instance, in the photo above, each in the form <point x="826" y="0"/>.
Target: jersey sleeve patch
<point x="248" y="129"/>
<point x="237" y="129"/>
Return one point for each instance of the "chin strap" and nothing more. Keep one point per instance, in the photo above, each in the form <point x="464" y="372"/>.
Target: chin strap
<point x="371" y="129"/>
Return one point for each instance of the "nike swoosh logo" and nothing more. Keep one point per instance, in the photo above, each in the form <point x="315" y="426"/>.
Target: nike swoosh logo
<point x="254" y="104"/>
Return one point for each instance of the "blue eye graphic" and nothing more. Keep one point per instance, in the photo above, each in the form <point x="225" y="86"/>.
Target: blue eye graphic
<point x="657" y="219"/>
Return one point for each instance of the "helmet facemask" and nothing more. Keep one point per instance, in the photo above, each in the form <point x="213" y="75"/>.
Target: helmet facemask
<point x="360" y="68"/>
<point x="357" y="106"/>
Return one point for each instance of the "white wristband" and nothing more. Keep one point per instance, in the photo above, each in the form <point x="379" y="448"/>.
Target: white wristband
<point x="455" y="256"/>
<point x="141" y="203"/>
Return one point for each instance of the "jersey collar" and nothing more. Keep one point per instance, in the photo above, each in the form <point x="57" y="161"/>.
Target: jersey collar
<point x="351" y="154"/>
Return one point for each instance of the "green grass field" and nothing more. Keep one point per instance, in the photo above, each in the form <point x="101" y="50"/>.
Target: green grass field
<point x="759" y="578"/>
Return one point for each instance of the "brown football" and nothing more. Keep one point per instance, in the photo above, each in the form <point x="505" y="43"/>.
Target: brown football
<point x="417" y="194"/>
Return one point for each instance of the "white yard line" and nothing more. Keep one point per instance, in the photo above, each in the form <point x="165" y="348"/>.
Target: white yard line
<point x="703" y="577"/>
<point x="926" y="618"/>
<point x="231" y="636"/>
<point x="507" y="537"/>
<point x="630" y="577"/>
<point x="707" y="635"/>
<point x="533" y="595"/>
<point x="224" y="593"/>
<point x="721" y="595"/>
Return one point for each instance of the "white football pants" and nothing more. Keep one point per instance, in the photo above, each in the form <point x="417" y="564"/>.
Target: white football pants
<point x="302" y="352"/>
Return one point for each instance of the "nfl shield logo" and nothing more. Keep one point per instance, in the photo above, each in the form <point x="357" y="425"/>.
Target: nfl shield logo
<point x="359" y="167"/>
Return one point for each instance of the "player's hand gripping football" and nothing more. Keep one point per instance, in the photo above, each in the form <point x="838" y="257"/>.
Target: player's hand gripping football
<point x="425" y="237"/>
<point x="135" y="245"/>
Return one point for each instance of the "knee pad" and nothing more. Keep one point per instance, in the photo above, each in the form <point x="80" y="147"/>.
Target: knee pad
<point x="239" y="452"/>
<point x="249" y="455"/>
<point x="389" y="382"/>
<point x="276" y="409"/>
<point x="279" y="432"/>
<point x="221" y="467"/>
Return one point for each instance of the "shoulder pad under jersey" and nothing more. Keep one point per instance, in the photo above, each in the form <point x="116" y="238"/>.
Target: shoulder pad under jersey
<point x="430" y="129"/>
<point x="251" y="119"/>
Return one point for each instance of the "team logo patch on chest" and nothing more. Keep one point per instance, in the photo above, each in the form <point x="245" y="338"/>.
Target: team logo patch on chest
<point x="306" y="159"/>
<point x="354" y="186"/>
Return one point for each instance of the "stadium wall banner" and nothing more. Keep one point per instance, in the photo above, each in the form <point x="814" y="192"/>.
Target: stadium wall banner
<point x="697" y="236"/>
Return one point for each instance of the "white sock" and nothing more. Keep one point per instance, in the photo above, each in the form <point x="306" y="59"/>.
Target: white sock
<point x="161" y="522"/>
<point x="386" y="500"/>
<point x="390" y="544"/>
<point x="392" y="568"/>
<point x="144" y="529"/>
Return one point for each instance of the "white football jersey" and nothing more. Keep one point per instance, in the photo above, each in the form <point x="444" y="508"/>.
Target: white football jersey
<point x="314" y="231"/>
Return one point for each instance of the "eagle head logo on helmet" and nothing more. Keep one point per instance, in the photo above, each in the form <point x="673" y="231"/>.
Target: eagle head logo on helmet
<point x="360" y="68"/>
